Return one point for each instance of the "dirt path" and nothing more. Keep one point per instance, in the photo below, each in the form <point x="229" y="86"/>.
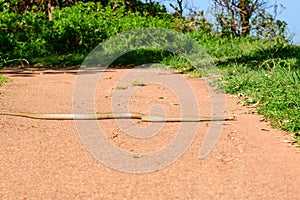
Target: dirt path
<point x="43" y="159"/>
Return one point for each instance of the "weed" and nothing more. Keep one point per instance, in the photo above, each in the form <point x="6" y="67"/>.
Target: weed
<point x="138" y="83"/>
<point x="2" y="79"/>
<point x="137" y="156"/>
<point x="120" y="87"/>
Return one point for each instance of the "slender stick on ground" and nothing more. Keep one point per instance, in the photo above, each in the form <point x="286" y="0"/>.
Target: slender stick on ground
<point x="100" y="116"/>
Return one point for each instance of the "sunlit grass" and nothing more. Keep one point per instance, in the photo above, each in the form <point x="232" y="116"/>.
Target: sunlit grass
<point x="267" y="72"/>
<point x="2" y="79"/>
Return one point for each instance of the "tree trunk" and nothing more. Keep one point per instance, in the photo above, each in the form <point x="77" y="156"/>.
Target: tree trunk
<point x="245" y="12"/>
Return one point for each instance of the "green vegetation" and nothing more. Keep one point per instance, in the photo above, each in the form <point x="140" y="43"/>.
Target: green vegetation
<point x="2" y="79"/>
<point x="277" y="90"/>
<point x="72" y="33"/>
<point x="274" y="84"/>
<point x="121" y="87"/>
<point x="265" y="70"/>
<point x="138" y="83"/>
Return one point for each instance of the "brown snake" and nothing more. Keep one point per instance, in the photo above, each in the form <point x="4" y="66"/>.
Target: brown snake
<point x="99" y="116"/>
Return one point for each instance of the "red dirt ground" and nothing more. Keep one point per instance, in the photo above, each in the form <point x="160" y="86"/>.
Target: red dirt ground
<point x="42" y="159"/>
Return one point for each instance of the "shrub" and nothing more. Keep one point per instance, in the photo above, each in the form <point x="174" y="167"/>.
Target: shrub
<point x="74" y="29"/>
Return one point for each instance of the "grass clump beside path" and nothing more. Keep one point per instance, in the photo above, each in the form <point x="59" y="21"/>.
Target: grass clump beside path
<point x="267" y="72"/>
<point x="276" y="91"/>
<point x="2" y="79"/>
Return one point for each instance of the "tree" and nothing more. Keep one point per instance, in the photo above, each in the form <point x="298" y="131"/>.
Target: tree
<point x="178" y="7"/>
<point x="47" y="6"/>
<point x="242" y="17"/>
<point x="181" y="7"/>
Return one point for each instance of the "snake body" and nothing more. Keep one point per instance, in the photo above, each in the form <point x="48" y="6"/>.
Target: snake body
<point x="100" y="116"/>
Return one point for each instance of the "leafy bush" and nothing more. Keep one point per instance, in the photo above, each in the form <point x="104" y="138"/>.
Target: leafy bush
<point x="73" y="30"/>
<point x="21" y="35"/>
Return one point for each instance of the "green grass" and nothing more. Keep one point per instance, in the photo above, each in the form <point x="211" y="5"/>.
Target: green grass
<point x="276" y="90"/>
<point x="138" y="83"/>
<point x="71" y="59"/>
<point x="266" y="72"/>
<point x="121" y="87"/>
<point x="2" y="79"/>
